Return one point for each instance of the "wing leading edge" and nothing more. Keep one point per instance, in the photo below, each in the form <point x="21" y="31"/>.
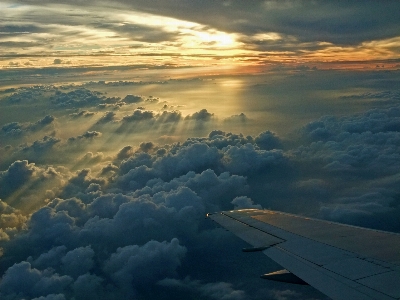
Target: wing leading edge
<point x="342" y="261"/>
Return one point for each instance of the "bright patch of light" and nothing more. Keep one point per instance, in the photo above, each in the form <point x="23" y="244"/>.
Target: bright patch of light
<point x="191" y="34"/>
<point x="270" y="36"/>
<point x="386" y="43"/>
<point x="218" y="39"/>
<point x="166" y="23"/>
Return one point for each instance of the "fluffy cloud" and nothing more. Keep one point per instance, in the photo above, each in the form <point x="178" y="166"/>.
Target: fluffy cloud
<point x="130" y="223"/>
<point x="284" y="294"/>
<point x="10" y="217"/>
<point x="15" y="176"/>
<point x="247" y="159"/>
<point x="134" y="265"/>
<point x="40" y="147"/>
<point x="85" y="136"/>
<point x="202" y="115"/>
<point x="82" y="113"/>
<point x="36" y="283"/>
<point x="25" y="95"/>
<point x="154" y="192"/>
<point x="26" y="187"/>
<point x="167" y="204"/>
<point x="130" y="267"/>
<point x="218" y="290"/>
<point x="89" y="287"/>
<point x="71" y="97"/>
<point x="353" y="150"/>
<point x="215" y="190"/>
<point x="139" y="115"/>
<point x="51" y="297"/>
<point x="241" y="118"/>
<point x="77" y="98"/>
<point x="13" y="128"/>
<point x="16" y="128"/>
<point x="364" y="143"/>
<point x="244" y="202"/>
<point x="38" y="151"/>
<point x="268" y="140"/>
<point x="78" y="261"/>
<point x="132" y="99"/>
<point x="107" y="117"/>
<point x="165" y="117"/>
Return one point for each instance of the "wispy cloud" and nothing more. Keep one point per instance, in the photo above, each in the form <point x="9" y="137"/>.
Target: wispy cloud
<point x="291" y="30"/>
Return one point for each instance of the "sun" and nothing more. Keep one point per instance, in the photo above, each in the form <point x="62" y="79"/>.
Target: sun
<point x="216" y="39"/>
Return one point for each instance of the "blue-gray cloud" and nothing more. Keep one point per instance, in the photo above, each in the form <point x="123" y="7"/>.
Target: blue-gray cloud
<point x="135" y="225"/>
<point x="16" y="128"/>
<point x="343" y="23"/>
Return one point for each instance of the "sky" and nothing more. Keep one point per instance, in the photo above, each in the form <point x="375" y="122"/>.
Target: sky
<point x="198" y="33"/>
<point x="122" y="123"/>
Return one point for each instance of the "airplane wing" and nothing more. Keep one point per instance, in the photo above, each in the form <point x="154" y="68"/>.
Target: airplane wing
<point x="344" y="262"/>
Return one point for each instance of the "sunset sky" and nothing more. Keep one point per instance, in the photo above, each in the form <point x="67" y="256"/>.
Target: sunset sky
<point x="122" y="123"/>
<point x="197" y="33"/>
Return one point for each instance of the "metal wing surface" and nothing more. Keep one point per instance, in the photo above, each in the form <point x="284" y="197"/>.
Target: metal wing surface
<point x="342" y="261"/>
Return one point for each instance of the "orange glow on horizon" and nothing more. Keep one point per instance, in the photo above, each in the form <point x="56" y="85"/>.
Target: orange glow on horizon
<point x="176" y="43"/>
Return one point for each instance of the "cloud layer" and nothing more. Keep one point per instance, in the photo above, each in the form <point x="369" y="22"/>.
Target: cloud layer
<point x="87" y="212"/>
<point x="265" y="31"/>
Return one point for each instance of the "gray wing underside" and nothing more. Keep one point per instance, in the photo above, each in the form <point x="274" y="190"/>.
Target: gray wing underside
<point x="344" y="262"/>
